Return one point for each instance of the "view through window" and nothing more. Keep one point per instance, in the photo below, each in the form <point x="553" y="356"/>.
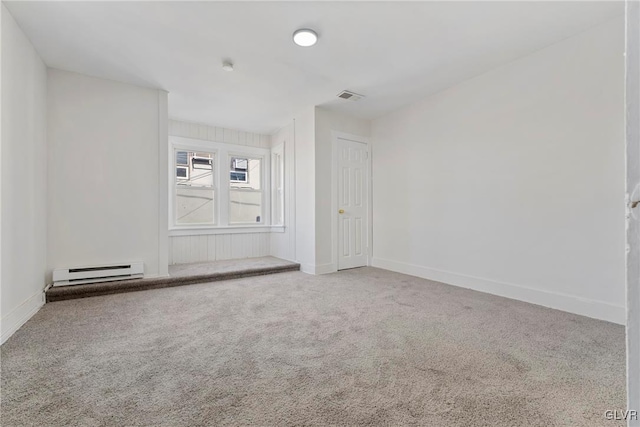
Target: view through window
<point x="195" y="190"/>
<point x="245" y="190"/>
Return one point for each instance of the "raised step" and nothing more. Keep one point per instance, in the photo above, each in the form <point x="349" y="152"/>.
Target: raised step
<point x="181" y="274"/>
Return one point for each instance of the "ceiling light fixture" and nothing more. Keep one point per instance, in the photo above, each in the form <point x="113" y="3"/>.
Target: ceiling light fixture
<point x="227" y="66"/>
<point x="305" y="37"/>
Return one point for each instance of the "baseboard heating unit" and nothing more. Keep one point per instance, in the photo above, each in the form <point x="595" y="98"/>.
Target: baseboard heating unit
<point x="95" y="274"/>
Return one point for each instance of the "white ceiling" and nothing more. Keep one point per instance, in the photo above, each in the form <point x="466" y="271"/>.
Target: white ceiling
<point x="393" y="53"/>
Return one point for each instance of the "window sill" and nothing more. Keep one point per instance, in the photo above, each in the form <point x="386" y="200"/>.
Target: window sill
<point x="231" y="229"/>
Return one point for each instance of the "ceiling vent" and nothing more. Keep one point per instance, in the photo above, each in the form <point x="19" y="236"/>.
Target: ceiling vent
<point x="345" y="94"/>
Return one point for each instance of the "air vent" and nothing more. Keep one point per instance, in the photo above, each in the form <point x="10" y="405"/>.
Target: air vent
<point x="345" y="94"/>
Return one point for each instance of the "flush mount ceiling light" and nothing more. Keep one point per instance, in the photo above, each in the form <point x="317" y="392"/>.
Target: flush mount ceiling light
<point x="305" y="37"/>
<point x="227" y="66"/>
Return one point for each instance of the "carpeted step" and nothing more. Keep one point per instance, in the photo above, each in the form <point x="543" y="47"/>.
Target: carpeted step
<point x="106" y="288"/>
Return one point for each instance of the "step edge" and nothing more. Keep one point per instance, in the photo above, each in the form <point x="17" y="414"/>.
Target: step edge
<point x="108" y="288"/>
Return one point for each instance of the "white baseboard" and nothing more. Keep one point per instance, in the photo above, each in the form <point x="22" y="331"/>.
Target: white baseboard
<point x="17" y="317"/>
<point x="570" y="303"/>
<point x="318" y="269"/>
<point x="307" y="268"/>
<point x="326" y="268"/>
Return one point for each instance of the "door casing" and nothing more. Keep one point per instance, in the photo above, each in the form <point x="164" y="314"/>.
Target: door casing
<point x="632" y="106"/>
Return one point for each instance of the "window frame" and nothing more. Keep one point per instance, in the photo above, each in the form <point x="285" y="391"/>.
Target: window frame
<point x="278" y="184"/>
<point x="221" y="183"/>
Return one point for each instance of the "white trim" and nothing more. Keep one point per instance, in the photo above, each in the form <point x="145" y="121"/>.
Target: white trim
<point x="307" y="268"/>
<point x="196" y="231"/>
<point x="277" y="228"/>
<point x="20" y="315"/>
<point x="293" y="193"/>
<point x="335" y="135"/>
<point x="632" y="266"/>
<point x="570" y="303"/>
<point x="326" y="268"/>
<point x="278" y="151"/>
<point x="163" y="176"/>
<point x="222" y="190"/>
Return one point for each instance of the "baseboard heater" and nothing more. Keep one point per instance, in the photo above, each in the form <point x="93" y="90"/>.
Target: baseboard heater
<point x="95" y="274"/>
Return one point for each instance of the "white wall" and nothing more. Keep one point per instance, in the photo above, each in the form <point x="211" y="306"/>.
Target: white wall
<point x="24" y="150"/>
<point x="283" y="244"/>
<point x="218" y="134"/>
<point x="512" y="182"/>
<point x="107" y="199"/>
<point x="305" y="173"/>
<point x="217" y="247"/>
<point x="325" y="123"/>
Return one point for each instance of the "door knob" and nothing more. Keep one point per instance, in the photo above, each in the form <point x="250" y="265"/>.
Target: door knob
<point x="341" y="211"/>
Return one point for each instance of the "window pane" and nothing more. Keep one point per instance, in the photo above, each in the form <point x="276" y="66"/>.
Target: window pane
<point x="194" y="206"/>
<point x="246" y="173"/>
<point x="182" y="158"/>
<point x="245" y="206"/>
<point x="237" y="176"/>
<point x="182" y="173"/>
<point x="194" y="169"/>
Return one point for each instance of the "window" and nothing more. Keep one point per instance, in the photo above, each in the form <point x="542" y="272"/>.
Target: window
<point x="245" y="190"/>
<point x="277" y="185"/>
<point x="195" y="189"/>
<point x="236" y="176"/>
<point x="204" y="163"/>
<point x="182" y="165"/>
<point x="216" y="185"/>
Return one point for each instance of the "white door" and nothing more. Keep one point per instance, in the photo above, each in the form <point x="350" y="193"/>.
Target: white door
<point x="353" y="202"/>
<point x="633" y="209"/>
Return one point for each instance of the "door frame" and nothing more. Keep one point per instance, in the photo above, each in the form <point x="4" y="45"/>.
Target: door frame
<point x="335" y="135"/>
<point x="632" y="117"/>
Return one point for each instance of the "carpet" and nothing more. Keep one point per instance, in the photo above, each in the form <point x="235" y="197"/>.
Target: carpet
<point x="362" y="347"/>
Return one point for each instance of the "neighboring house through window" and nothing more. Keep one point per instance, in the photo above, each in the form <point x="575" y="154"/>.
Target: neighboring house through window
<point x="195" y="189"/>
<point x="245" y="190"/>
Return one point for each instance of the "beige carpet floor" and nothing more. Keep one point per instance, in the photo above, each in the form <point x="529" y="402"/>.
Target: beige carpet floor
<point x="227" y="266"/>
<point x="359" y="347"/>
